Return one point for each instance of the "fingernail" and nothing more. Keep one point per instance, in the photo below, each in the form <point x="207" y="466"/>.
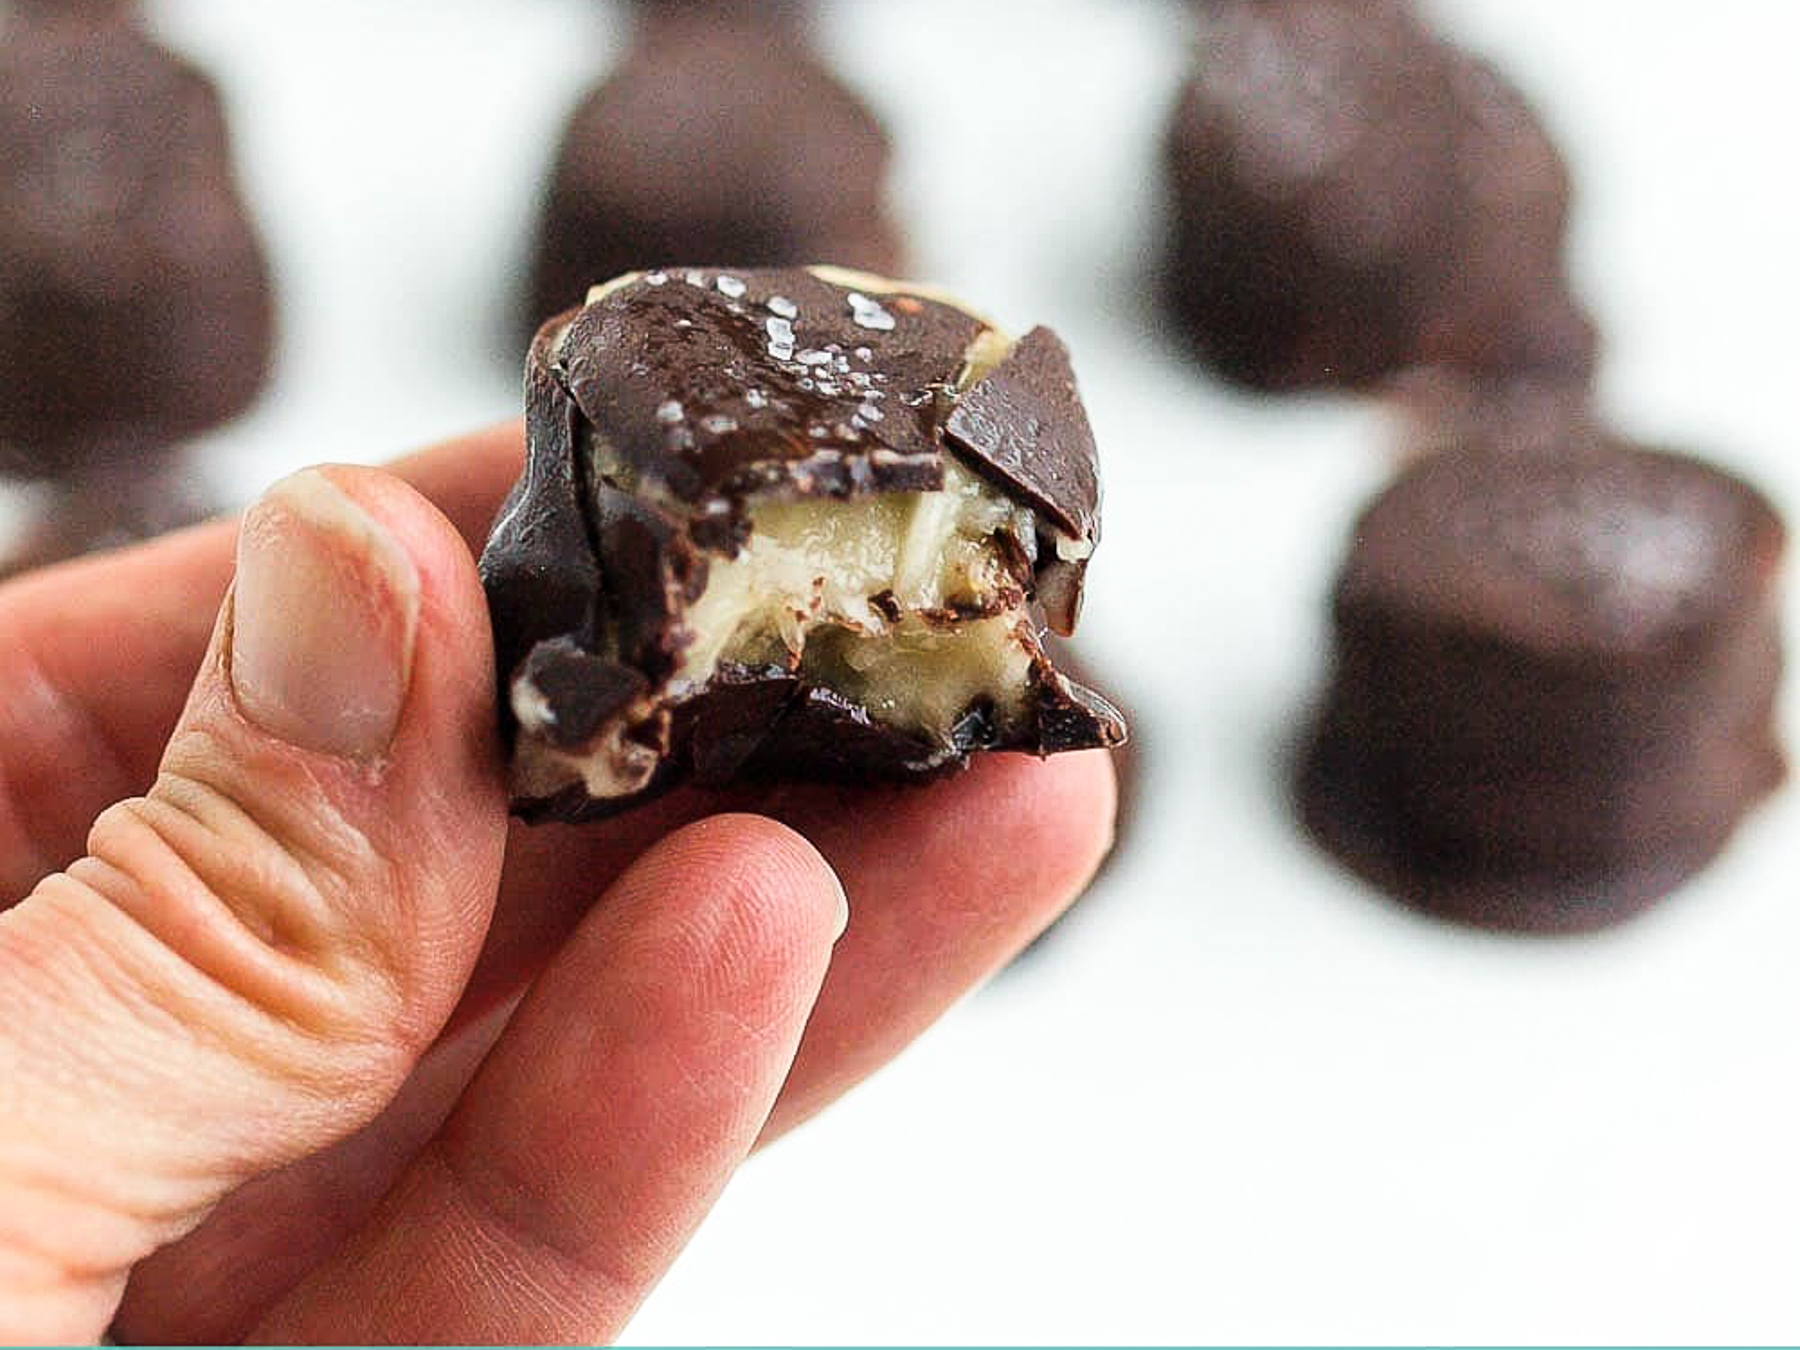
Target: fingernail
<point x="324" y="613"/>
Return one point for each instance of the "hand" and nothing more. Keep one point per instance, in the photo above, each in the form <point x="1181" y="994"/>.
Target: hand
<point x="303" y="1044"/>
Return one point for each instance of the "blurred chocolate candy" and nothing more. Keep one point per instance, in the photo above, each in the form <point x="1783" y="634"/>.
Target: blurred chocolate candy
<point x="722" y="138"/>
<point x="1351" y="195"/>
<point x="1555" y="678"/>
<point x="135" y="307"/>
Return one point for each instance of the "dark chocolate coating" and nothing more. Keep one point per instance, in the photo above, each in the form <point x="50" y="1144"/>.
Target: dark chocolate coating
<point x="1024" y="428"/>
<point x="686" y="384"/>
<point x="1350" y="196"/>
<point x="717" y="140"/>
<point x="1554" y="685"/>
<point x="135" y="308"/>
<point x="658" y="413"/>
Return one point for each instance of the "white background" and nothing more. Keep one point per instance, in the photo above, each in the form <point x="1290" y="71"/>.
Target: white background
<point x="1238" y="1096"/>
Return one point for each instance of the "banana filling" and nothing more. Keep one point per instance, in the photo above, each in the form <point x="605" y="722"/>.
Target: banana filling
<point x="903" y="602"/>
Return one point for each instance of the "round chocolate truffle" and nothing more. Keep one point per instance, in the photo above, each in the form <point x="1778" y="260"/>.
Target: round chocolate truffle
<point x="718" y="140"/>
<point x="1555" y="679"/>
<point x="135" y="308"/>
<point x="1350" y="195"/>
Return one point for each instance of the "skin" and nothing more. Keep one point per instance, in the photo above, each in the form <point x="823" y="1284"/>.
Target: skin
<point x="300" y="1048"/>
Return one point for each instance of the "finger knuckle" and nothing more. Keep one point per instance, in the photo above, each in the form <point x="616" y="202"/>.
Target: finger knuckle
<point x="242" y="917"/>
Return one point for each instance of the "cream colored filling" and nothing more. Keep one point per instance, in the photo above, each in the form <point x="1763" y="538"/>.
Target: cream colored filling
<point x="988" y="350"/>
<point x="601" y="290"/>
<point x="810" y="570"/>
<point x="922" y="678"/>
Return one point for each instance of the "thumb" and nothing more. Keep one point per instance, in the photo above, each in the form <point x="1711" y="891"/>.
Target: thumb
<point x="250" y="958"/>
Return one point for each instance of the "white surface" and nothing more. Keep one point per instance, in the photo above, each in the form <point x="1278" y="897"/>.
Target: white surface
<point x="1238" y="1097"/>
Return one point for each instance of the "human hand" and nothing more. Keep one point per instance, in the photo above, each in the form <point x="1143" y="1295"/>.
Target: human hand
<point x="265" y="1070"/>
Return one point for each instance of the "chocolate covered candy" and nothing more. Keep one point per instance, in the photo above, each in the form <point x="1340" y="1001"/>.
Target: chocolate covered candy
<point x="135" y="308"/>
<point x="1555" y="679"/>
<point x="718" y="139"/>
<point x="787" y="523"/>
<point x="1350" y="196"/>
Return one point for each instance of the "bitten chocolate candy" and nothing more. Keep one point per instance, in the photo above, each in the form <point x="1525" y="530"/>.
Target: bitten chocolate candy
<point x="787" y="523"/>
<point x="134" y="301"/>
<point x="1350" y="195"/>
<point x="1555" y="681"/>
<point x="717" y="139"/>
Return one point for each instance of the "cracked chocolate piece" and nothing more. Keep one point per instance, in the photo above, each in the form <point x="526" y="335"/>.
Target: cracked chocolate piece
<point x="787" y="523"/>
<point x="1555" y="681"/>
<point x="135" y="308"/>
<point x="721" y="139"/>
<point x="1351" y="196"/>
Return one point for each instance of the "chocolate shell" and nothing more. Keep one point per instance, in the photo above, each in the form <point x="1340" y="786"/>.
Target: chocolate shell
<point x="1351" y="195"/>
<point x="787" y="523"/>
<point x="135" y="308"/>
<point x="720" y="139"/>
<point x="1555" y="678"/>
